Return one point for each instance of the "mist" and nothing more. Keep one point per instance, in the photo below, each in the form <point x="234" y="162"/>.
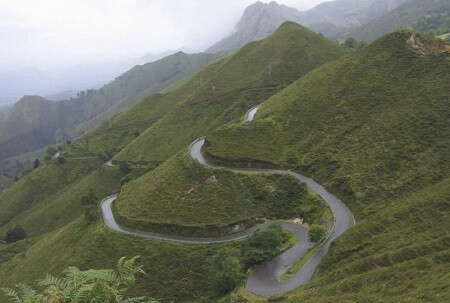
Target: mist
<point x="43" y="40"/>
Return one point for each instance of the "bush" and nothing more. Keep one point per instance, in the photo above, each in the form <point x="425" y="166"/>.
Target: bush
<point x="262" y="245"/>
<point x="124" y="168"/>
<point x="15" y="234"/>
<point x="36" y="163"/>
<point x="61" y="159"/>
<point x="229" y="271"/>
<point x="51" y="151"/>
<point x="90" y="199"/>
<point x="316" y="233"/>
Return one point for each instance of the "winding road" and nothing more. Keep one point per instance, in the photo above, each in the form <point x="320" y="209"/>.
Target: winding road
<point x="264" y="278"/>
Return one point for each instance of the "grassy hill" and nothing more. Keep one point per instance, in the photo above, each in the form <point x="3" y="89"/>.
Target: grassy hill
<point x="47" y="201"/>
<point x="34" y="122"/>
<point x="183" y="197"/>
<point x="225" y="89"/>
<point x="421" y="15"/>
<point x="373" y="128"/>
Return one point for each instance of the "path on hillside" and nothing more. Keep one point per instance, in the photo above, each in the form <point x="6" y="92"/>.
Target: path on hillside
<point x="263" y="279"/>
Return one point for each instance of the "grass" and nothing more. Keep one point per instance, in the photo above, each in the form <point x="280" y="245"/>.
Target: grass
<point x="373" y="128"/>
<point x="224" y="90"/>
<point x="286" y="276"/>
<point x="183" y="195"/>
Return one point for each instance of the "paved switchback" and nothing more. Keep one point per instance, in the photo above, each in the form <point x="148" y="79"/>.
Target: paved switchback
<point x="264" y="278"/>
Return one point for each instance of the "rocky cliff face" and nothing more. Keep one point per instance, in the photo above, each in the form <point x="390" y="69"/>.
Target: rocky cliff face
<point x="332" y="19"/>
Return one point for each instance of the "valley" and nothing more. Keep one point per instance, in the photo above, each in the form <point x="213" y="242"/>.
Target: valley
<point x="283" y="164"/>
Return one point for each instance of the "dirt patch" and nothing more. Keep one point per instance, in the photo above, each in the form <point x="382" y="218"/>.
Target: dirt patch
<point x="427" y="45"/>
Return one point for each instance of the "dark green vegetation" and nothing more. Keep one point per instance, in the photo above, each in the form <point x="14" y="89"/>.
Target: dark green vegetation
<point x="211" y="202"/>
<point x="373" y="128"/>
<point x="34" y="122"/>
<point x="427" y="16"/>
<point x="87" y="286"/>
<point x="316" y="233"/>
<point x="224" y="90"/>
<point x="232" y="264"/>
<point x="57" y="204"/>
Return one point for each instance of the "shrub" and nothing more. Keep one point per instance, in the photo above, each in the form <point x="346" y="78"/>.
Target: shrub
<point x="51" y="151"/>
<point x="262" y="245"/>
<point x="89" y="199"/>
<point x="36" y="163"/>
<point x="316" y="233"/>
<point x="124" y="168"/>
<point x="15" y="234"/>
<point x="229" y="271"/>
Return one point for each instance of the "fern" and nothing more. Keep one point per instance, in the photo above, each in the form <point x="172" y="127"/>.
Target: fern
<point x="89" y="286"/>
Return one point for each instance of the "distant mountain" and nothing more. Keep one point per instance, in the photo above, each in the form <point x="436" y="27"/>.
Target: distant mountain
<point x="332" y="19"/>
<point x="420" y="15"/>
<point x="35" y="122"/>
<point x="15" y="84"/>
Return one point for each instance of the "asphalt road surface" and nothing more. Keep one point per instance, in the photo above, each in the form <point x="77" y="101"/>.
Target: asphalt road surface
<point x="264" y="278"/>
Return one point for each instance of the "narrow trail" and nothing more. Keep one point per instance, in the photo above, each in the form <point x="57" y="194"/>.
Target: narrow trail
<point x="264" y="278"/>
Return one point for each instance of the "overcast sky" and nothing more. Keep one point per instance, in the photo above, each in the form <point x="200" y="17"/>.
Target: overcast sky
<point x="55" y="33"/>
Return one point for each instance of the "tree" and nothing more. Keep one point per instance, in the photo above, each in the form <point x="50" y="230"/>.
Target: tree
<point x="61" y="159"/>
<point x="353" y="44"/>
<point x="88" y="286"/>
<point x="15" y="234"/>
<point x="124" y="168"/>
<point x="316" y="233"/>
<point x="262" y="245"/>
<point x="36" y="163"/>
<point x="89" y="199"/>
<point x="229" y="271"/>
<point x="350" y="43"/>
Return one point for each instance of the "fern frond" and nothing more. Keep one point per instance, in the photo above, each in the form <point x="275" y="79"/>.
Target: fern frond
<point x="12" y="295"/>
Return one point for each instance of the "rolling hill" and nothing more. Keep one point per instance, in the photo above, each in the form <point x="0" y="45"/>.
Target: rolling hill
<point x="38" y="122"/>
<point x="224" y="90"/>
<point x="47" y="202"/>
<point x="408" y="15"/>
<point x="373" y="128"/>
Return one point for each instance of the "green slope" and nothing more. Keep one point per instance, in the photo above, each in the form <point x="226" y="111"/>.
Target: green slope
<point x="183" y="197"/>
<point x="373" y="128"/>
<point x="224" y="90"/>
<point x="47" y="202"/>
<point x="174" y="272"/>
<point x="412" y="14"/>
<point x="34" y="122"/>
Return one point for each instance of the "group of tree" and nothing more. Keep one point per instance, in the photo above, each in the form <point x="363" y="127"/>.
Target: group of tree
<point x="89" y="286"/>
<point x="89" y="202"/>
<point x="353" y="44"/>
<point x="231" y="264"/>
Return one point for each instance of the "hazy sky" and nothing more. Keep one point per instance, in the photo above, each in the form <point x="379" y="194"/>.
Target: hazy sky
<point x="54" y="33"/>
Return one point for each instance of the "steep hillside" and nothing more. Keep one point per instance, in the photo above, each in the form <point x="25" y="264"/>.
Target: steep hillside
<point x="37" y="122"/>
<point x="413" y="14"/>
<point x="47" y="203"/>
<point x="211" y="203"/>
<point x="224" y="90"/>
<point x="332" y="19"/>
<point x="372" y="127"/>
